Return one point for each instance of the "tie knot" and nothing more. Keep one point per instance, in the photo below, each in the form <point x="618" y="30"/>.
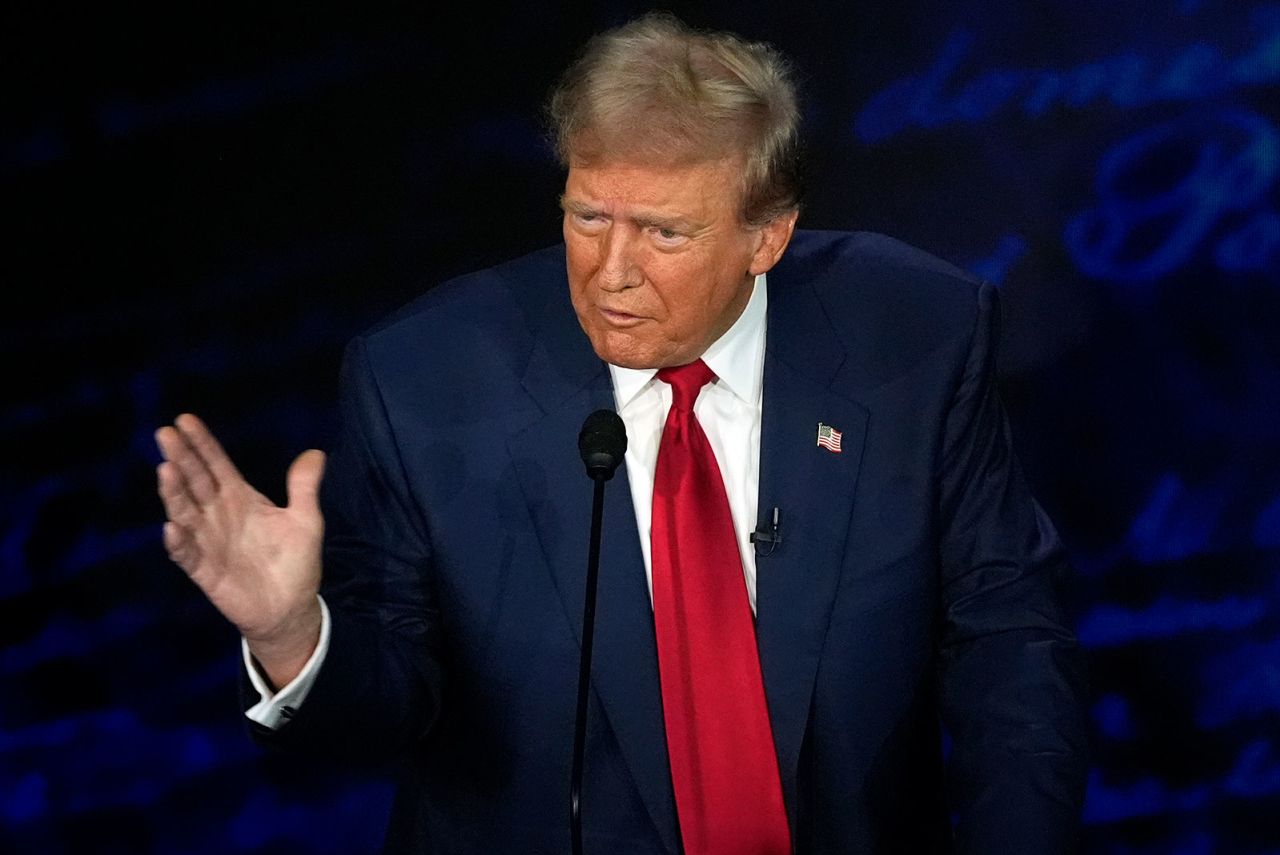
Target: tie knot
<point x="686" y="382"/>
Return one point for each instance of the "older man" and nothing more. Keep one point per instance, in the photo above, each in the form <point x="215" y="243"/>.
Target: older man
<point x="833" y="391"/>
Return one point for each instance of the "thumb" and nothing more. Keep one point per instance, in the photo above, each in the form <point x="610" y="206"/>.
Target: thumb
<point x="303" y="481"/>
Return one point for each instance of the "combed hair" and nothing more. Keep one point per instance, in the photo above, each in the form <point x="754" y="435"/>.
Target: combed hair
<point x="657" y="91"/>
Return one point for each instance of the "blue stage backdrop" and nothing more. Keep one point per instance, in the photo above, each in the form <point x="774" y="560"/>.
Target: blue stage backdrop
<point x="203" y="205"/>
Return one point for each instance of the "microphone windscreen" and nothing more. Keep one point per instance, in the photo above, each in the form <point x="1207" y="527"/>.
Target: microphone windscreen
<point x="602" y="442"/>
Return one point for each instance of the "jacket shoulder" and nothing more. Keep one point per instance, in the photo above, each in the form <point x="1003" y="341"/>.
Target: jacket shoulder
<point x="468" y="337"/>
<point x="874" y="267"/>
<point x="891" y="305"/>
<point x="500" y="294"/>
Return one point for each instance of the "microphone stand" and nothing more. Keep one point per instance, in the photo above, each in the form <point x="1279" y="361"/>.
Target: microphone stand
<point x="602" y="442"/>
<point x="584" y="663"/>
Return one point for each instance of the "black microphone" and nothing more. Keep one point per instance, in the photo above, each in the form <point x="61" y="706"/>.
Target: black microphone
<point x="602" y="442"/>
<point x="767" y="539"/>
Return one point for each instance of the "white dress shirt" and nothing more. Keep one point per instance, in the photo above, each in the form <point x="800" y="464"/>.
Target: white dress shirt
<point x="728" y="409"/>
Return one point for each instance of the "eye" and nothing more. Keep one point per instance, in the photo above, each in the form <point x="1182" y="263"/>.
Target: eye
<point x="587" y="220"/>
<point x="666" y="237"/>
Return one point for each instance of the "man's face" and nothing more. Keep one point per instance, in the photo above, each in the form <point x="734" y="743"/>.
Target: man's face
<point x="659" y="263"/>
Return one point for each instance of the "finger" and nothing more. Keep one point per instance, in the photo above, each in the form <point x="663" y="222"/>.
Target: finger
<point x="209" y="449"/>
<point x="181" y="546"/>
<point x="303" y="481"/>
<point x="179" y="506"/>
<point x="195" y="475"/>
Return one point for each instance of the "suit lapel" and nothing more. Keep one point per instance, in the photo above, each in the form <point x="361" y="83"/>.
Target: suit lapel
<point x="569" y="381"/>
<point x="813" y="489"/>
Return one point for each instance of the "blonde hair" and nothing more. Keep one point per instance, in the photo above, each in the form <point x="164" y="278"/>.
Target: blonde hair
<point x="656" y="90"/>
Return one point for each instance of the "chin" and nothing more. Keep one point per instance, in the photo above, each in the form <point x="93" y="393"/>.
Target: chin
<point x="624" y="351"/>
<point x="626" y="358"/>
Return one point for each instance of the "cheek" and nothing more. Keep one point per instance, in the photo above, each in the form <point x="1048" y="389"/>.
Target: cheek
<point x="578" y="266"/>
<point x="684" y="290"/>
<point x="583" y="251"/>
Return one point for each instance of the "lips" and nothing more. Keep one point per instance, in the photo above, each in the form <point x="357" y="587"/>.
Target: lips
<point x="620" y="319"/>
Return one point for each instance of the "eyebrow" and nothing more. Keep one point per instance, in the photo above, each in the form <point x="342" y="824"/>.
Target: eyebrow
<point x="643" y="220"/>
<point x="573" y="206"/>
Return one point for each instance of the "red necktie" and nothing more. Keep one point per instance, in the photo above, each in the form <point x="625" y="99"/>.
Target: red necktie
<point x="723" y="765"/>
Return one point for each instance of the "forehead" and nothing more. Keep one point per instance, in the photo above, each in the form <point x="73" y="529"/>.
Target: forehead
<point x="707" y="186"/>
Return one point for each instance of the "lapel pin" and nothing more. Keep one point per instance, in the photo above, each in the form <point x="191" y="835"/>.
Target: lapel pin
<point x="828" y="437"/>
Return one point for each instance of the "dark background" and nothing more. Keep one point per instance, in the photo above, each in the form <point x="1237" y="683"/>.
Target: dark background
<point x="203" y="205"/>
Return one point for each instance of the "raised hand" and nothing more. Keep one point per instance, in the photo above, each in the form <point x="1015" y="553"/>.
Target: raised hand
<point x="258" y="563"/>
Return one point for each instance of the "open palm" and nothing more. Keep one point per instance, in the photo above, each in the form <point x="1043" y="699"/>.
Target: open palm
<point x="257" y="562"/>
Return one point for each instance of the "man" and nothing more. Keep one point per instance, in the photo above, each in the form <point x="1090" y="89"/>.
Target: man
<point x="834" y="392"/>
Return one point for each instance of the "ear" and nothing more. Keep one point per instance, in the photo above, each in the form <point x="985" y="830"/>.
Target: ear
<point x="775" y="235"/>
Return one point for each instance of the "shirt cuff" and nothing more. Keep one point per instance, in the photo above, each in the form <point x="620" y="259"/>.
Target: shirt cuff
<point x="274" y="709"/>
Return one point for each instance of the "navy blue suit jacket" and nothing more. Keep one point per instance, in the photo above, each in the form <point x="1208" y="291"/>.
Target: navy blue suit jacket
<point x="915" y="586"/>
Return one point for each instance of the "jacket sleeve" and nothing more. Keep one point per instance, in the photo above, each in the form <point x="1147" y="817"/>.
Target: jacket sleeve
<point x="1012" y="684"/>
<point x="378" y="689"/>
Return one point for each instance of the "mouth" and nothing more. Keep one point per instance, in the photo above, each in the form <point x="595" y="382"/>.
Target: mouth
<point x="620" y="319"/>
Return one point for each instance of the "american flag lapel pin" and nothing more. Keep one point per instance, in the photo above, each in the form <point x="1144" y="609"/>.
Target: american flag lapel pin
<point x="828" y="437"/>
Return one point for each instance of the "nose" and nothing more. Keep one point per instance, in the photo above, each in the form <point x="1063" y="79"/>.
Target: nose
<point x="618" y="268"/>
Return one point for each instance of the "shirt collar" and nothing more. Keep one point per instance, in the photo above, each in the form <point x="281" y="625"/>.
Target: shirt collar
<point x="735" y="357"/>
